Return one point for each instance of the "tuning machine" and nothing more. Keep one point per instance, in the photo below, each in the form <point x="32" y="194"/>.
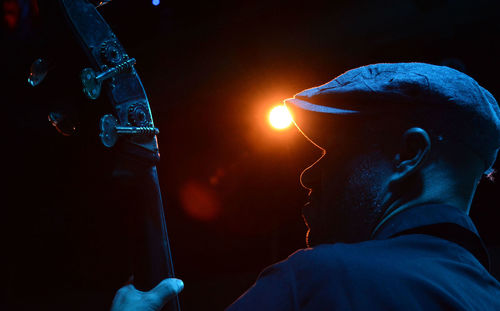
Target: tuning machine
<point x="110" y="130"/>
<point x="62" y="122"/>
<point x="38" y="71"/>
<point x="92" y="81"/>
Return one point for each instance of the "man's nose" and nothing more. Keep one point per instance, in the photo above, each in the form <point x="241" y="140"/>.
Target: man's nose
<point x="311" y="176"/>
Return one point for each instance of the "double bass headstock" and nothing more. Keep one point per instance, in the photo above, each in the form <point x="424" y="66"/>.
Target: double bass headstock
<point x="131" y="131"/>
<point x="111" y="71"/>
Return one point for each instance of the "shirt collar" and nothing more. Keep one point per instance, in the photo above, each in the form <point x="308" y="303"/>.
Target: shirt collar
<point x="442" y="221"/>
<point x="423" y="215"/>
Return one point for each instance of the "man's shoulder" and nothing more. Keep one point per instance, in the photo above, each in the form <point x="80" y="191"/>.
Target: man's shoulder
<point x="407" y="257"/>
<point x="374" y="272"/>
<point x="332" y="274"/>
<point x="394" y="256"/>
<point x="340" y="254"/>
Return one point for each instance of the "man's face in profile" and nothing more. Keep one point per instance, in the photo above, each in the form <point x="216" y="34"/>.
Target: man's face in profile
<point x="346" y="185"/>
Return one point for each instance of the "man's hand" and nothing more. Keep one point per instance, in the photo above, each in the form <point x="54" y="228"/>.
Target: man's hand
<point x="129" y="298"/>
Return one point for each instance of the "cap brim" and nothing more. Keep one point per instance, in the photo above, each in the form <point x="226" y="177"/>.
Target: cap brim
<point x="304" y="105"/>
<point x="316" y="122"/>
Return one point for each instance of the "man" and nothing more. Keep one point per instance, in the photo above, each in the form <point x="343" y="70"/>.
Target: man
<point x="405" y="146"/>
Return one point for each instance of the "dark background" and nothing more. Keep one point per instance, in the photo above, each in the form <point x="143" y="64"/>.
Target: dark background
<point x="230" y="183"/>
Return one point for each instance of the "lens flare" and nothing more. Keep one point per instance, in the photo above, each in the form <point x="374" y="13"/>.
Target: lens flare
<point x="280" y="118"/>
<point x="199" y="201"/>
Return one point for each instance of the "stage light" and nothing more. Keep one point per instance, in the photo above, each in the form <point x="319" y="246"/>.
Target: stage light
<point x="280" y="118"/>
<point x="156" y="2"/>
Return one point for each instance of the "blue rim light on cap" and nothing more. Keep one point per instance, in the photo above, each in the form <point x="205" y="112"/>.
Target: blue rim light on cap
<point x="318" y="108"/>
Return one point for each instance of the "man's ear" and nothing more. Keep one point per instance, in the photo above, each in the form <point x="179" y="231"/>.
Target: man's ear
<point x="414" y="150"/>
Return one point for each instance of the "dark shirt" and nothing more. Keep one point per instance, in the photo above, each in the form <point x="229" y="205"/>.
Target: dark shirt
<point x="429" y="257"/>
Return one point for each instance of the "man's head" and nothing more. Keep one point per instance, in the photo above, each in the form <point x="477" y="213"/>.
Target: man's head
<point x="394" y="136"/>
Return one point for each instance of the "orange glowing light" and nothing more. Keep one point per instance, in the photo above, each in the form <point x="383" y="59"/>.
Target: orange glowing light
<point x="280" y="118"/>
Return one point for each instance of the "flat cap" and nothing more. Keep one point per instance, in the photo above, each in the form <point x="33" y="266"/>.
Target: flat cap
<point x="462" y="107"/>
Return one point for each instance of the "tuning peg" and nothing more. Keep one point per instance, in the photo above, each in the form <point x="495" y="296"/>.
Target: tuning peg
<point x="92" y="82"/>
<point x="38" y="71"/>
<point x="110" y="130"/>
<point x="62" y="123"/>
